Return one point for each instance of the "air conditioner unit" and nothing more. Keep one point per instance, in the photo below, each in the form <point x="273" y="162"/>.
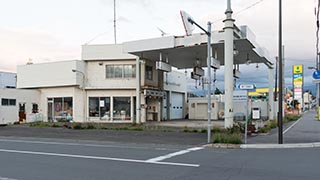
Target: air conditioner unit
<point x="198" y="71"/>
<point x="162" y="66"/>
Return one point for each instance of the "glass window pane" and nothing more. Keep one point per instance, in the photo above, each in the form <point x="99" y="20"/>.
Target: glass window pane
<point x="109" y="71"/>
<point x="149" y="72"/>
<point x="118" y="71"/>
<point x="67" y="107"/>
<point x="12" y="102"/>
<point x="133" y="71"/>
<point x="93" y="107"/>
<point x="58" y="111"/>
<point x="121" y="108"/>
<point x="127" y="70"/>
<point x="104" y="103"/>
<point x="4" y="102"/>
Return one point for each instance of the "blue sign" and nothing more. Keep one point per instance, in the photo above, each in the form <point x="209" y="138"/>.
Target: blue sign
<point x="295" y="76"/>
<point x="316" y="74"/>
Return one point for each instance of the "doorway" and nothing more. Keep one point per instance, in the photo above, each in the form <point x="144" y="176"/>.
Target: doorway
<point x="22" y="112"/>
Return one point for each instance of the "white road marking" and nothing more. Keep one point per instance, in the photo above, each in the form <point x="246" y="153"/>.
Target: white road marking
<point x="5" y="178"/>
<point x="96" y="157"/>
<point x="81" y="144"/>
<point x="291" y="126"/>
<point x="161" y="158"/>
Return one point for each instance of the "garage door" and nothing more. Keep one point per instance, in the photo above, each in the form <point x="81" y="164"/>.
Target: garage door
<point x="177" y="106"/>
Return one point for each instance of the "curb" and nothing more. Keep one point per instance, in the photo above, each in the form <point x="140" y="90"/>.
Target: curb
<point x="223" y="146"/>
<point x="280" y="146"/>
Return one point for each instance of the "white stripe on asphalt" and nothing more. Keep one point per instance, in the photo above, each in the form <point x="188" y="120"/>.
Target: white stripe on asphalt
<point x="161" y="158"/>
<point x="96" y="157"/>
<point x="291" y="126"/>
<point x="80" y="144"/>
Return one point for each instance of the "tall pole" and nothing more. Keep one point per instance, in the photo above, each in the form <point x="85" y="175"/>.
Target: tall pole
<point x="280" y="115"/>
<point x="209" y="81"/>
<point x="276" y="81"/>
<point x="228" y="62"/>
<point x="114" y="22"/>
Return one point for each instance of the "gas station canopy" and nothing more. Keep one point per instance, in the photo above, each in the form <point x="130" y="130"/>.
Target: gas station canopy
<point x="188" y="51"/>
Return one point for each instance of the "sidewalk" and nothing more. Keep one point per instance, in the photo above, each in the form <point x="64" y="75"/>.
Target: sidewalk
<point x="306" y="130"/>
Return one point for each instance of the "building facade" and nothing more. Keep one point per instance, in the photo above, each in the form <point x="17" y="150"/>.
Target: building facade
<point x="102" y="88"/>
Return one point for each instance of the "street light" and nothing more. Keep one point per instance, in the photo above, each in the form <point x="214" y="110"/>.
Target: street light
<point x="187" y="19"/>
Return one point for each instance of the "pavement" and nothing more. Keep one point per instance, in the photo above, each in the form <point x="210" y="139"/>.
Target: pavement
<point x="303" y="133"/>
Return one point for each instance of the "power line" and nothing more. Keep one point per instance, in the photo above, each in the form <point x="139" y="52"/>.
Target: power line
<point x="242" y="10"/>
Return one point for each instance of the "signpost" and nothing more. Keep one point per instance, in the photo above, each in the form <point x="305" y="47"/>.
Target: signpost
<point x="242" y="96"/>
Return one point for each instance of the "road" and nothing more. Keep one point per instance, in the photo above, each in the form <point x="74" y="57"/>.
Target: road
<point x="34" y="159"/>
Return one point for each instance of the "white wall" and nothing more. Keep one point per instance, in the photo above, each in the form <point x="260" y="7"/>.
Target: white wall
<point x="74" y="92"/>
<point x="8" y="79"/>
<point x="96" y="76"/>
<point x="198" y="108"/>
<point x="104" y="52"/>
<point x="10" y="114"/>
<point x="175" y="81"/>
<point x="50" y="74"/>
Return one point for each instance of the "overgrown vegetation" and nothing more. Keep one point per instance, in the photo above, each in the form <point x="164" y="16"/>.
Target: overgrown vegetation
<point x="227" y="136"/>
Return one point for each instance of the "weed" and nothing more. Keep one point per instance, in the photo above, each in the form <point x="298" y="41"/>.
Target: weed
<point x="227" y="138"/>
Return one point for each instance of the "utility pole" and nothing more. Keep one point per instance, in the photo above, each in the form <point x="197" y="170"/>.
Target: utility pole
<point x="280" y="114"/>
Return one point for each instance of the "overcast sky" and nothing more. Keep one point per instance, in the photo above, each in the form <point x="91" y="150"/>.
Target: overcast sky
<point x="54" y="30"/>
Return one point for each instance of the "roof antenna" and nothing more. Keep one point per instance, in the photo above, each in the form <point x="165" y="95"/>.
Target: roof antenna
<point x="114" y="22"/>
<point x="162" y="32"/>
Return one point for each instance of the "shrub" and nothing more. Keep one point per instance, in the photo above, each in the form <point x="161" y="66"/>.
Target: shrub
<point x="291" y="117"/>
<point x="264" y="129"/>
<point x="77" y="126"/>
<point x="216" y="130"/>
<point x="227" y="138"/>
<point x="90" y="126"/>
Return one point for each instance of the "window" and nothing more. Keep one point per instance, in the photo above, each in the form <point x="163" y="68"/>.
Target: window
<point x="121" y="108"/>
<point x="121" y="71"/>
<point x="62" y="108"/>
<point x="35" y="108"/>
<point x="99" y="107"/>
<point x="8" y="102"/>
<point x="149" y="72"/>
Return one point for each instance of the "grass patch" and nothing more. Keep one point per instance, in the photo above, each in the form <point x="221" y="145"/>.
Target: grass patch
<point x="227" y="138"/>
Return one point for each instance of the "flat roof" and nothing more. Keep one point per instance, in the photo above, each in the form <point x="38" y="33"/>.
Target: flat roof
<point x="183" y="51"/>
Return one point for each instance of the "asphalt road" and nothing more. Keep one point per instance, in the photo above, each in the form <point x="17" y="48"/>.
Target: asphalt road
<point x="32" y="159"/>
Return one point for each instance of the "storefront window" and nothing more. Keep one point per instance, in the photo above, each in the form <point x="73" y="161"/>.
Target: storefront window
<point x="121" y="108"/>
<point x="99" y="107"/>
<point x="63" y="108"/>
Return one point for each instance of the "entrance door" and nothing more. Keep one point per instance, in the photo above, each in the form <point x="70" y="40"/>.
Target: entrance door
<point x="22" y="112"/>
<point x="50" y="111"/>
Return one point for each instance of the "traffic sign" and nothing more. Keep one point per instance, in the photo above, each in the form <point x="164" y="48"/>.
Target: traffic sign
<point x="247" y="86"/>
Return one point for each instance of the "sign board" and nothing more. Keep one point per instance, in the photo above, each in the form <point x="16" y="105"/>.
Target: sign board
<point x="298" y="69"/>
<point x="247" y="86"/>
<point x="316" y="74"/>
<point x="240" y="96"/>
<point x="188" y="26"/>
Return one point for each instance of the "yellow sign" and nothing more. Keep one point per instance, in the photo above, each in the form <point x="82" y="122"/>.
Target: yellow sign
<point x="297" y="69"/>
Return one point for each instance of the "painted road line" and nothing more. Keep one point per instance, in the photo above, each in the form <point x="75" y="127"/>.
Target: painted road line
<point x="291" y="126"/>
<point x="81" y="144"/>
<point x="161" y="158"/>
<point x="5" y="178"/>
<point x="96" y="157"/>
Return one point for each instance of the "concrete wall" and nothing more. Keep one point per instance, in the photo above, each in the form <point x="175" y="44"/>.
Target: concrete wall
<point x="198" y="108"/>
<point x="50" y="74"/>
<point x="8" y="79"/>
<point x="10" y="114"/>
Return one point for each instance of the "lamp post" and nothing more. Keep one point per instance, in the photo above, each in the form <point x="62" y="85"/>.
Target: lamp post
<point x="208" y="32"/>
<point x="83" y="90"/>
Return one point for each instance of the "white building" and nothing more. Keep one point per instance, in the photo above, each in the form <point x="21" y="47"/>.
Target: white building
<point x="19" y="105"/>
<point x="102" y="87"/>
<point x="8" y="80"/>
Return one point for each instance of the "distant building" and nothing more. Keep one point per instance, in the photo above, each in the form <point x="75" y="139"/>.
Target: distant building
<point x="8" y="80"/>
